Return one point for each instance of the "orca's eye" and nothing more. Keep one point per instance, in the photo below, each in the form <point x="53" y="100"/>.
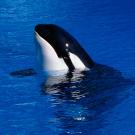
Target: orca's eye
<point x="67" y="45"/>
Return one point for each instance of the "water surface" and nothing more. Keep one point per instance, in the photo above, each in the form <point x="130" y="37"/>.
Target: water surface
<point x="95" y="103"/>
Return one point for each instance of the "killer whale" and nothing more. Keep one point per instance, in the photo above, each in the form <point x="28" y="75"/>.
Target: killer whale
<point x="58" y="50"/>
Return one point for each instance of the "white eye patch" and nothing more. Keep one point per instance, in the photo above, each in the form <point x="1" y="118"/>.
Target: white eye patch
<point x="76" y="61"/>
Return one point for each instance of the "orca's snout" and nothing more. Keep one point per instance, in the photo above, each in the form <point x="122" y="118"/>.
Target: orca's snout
<point x="45" y="30"/>
<point x="41" y="29"/>
<point x="44" y="27"/>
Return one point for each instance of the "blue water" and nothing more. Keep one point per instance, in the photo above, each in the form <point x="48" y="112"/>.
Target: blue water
<point x="93" y="103"/>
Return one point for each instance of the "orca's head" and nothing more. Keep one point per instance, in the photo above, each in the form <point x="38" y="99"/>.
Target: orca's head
<point x="58" y="50"/>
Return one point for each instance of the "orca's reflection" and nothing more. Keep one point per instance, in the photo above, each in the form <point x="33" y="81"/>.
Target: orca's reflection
<point x="82" y="99"/>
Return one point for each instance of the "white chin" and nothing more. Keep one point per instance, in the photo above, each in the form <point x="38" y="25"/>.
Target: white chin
<point x="47" y="56"/>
